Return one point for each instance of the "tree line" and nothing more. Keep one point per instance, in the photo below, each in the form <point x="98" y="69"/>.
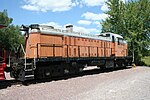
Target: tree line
<point x="10" y="36"/>
<point x="131" y="20"/>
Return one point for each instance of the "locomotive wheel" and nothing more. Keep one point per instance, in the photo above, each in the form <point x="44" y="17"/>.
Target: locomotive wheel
<point x="79" y="68"/>
<point x="103" y="67"/>
<point x="57" y="70"/>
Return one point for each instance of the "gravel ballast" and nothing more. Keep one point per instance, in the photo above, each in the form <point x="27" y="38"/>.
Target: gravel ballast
<point x="125" y="84"/>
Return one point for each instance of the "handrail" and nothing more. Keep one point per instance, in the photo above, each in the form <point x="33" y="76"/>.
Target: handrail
<point x="24" y="57"/>
<point x="9" y="60"/>
<point x="34" y="59"/>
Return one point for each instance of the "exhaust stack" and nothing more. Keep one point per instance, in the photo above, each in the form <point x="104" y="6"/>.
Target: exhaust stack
<point x="69" y="28"/>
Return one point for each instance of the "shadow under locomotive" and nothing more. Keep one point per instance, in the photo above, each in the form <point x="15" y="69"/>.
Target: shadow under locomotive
<point x="81" y="74"/>
<point x="8" y="83"/>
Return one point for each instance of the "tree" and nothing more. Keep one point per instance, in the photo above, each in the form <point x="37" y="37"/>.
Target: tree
<point x="10" y="37"/>
<point x="115" y="21"/>
<point x="132" y="21"/>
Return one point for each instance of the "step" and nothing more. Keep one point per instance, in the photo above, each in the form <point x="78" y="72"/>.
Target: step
<point x="27" y="64"/>
<point x="2" y="78"/>
<point x="1" y="68"/>
<point x="29" y="70"/>
<point x="1" y="71"/>
<point x="29" y="77"/>
<point x="29" y="73"/>
<point x="1" y="74"/>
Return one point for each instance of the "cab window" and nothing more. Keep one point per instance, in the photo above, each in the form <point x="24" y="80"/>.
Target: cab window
<point x="107" y="35"/>
<point x="120" y="41"/>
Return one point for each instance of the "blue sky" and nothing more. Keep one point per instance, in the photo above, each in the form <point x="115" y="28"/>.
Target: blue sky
<point x="85" y="15"/>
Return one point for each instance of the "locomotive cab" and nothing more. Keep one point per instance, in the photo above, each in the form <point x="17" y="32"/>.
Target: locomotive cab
<point x="119" y="45"/>
<point x="114" y="37"/>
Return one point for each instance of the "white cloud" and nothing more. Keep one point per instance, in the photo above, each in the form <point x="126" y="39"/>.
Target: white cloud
<point x="75" y="28"/>
<point x="95" y="2"/>
<point x="97" y="23"/>
<point x="62" y="5"/>
<point x="85" y="30"/>
<point x="54" y="24"/>
<point x="92" y="2"/>
<point x="84" y="22"/>
<point x="30" y="7"/>
<point x="48" y="5"/>
<point x="93" y="16"/>
<point x="104" y="7"/>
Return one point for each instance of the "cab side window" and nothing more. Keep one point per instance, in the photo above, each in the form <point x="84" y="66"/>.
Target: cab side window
<point x="120" y="41"/>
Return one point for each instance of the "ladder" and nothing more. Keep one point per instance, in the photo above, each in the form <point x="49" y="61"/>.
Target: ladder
<point x="29" y="71"/>
<point x="29" y="67"/>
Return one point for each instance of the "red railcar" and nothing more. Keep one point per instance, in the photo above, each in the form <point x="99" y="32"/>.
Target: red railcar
<point x="52" y="52"/>
<point x="2" y="63"/>
<point x="2" y="60"/>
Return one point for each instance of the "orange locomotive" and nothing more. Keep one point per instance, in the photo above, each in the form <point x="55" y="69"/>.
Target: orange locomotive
<point x="53" y="52"/>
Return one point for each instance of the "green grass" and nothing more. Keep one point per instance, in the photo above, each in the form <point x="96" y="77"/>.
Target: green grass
<point x="146" y="60"/>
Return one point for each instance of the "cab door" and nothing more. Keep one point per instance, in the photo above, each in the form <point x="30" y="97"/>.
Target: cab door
<point x="113" y="46"/>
